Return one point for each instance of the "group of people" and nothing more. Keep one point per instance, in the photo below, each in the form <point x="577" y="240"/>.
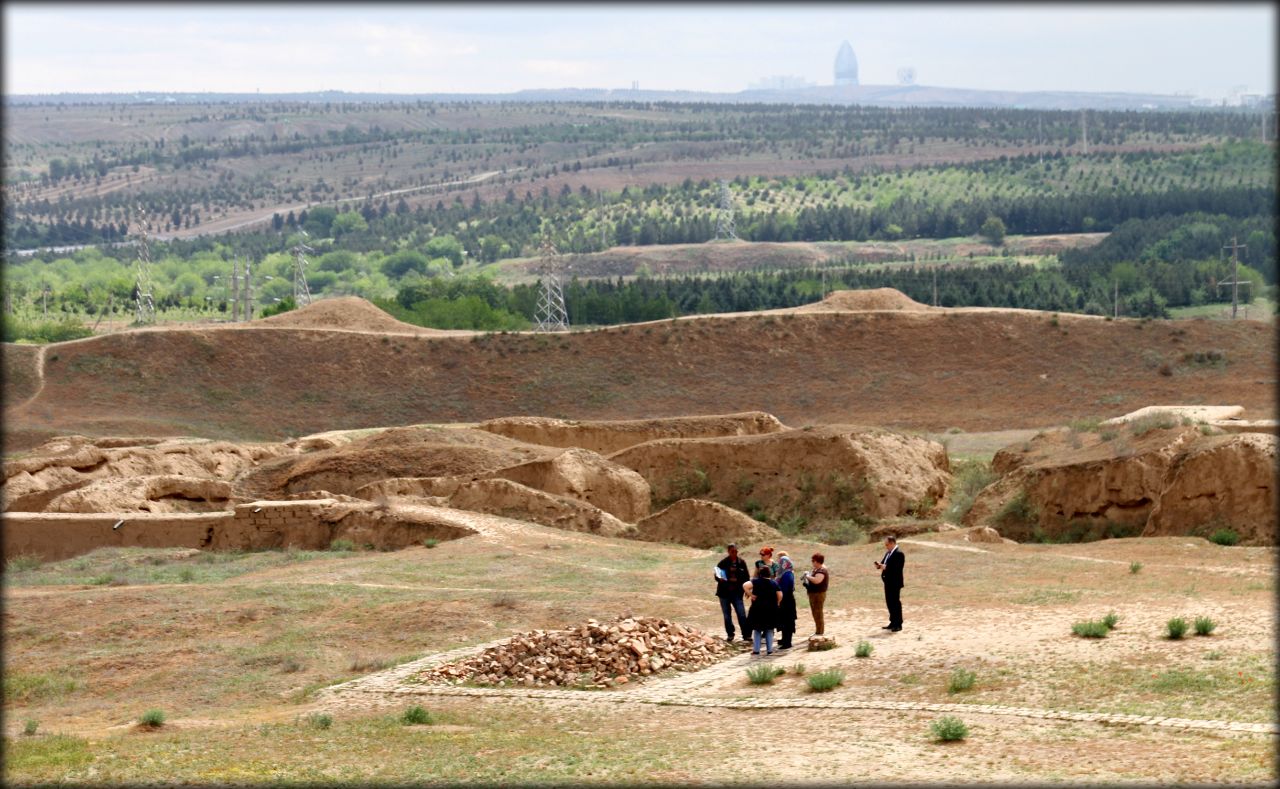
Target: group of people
<point x="771" y="591"/>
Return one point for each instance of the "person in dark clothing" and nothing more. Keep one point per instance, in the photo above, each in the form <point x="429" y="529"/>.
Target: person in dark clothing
<point x="890" y="568"/>
<point x="815" y="583"/>
<point x="786" y="581"/>
<point x="731" y="574"/>
<point x="763" y="616"/>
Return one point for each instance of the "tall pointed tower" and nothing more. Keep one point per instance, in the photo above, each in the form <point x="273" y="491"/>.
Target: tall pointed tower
<point x="846" y="65"/>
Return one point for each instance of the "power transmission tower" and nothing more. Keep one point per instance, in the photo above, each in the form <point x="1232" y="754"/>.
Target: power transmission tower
<point x="1235" y="282"/>
<point x="143" y="301"/>
<point x="724" y="219"/>
<point x="301" y="293"/>
<point x="551" y="313"/>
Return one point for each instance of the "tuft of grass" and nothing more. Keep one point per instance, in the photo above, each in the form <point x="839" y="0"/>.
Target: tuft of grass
<point x="1204" y="625"/>
<point x="1176" y="628"/>
<point x="863" y="649"/>
<point x="344" y="546"/>
<point x="1224" y="537"/>
<point x="152" y="719"/>
<point x="320" y="720"/>
<point x="415" y="716"/>
<point x="824" y="681"/>
<point x="187" y="575"/>
<point x="764" y="674"/>
<point x="1213" y="655"/>
<point x="798" y="669"/>
<point x="962" y="679"/>
<point x="505" y="600"/>
<point x="1135" y="568"/>
<point x="29" y="728"/>
<point x="1091" y="629"/>
<point x="24" y="561"/>
<point x="949" y="728"/>
<point x="1159" y="420"/>
<point x="430" y="542"/>
<point x="1110" y="620"/>
<point x="364" y="663"/>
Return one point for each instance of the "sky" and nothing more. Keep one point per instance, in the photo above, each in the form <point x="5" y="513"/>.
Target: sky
<point x="1209" y="50"/>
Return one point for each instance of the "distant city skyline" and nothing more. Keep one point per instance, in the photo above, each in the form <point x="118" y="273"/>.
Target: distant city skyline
<point x="1206" y="50"/>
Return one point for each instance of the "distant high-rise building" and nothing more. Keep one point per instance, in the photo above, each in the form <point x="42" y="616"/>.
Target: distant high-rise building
<point x="846" y="65"/>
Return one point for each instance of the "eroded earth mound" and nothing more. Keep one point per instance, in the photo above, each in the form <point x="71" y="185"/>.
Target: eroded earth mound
<point x="159" y="493"/>
<point x="608" y="436"/>
<point x="863" y="300"/>
<point x="350" y="313"/>
<point x="824" y="472"/>
<point x="704" y="524"/>
<point x="592" y="655"/>
<point x="68" y="463"/>
<point x="1156" y="475"/>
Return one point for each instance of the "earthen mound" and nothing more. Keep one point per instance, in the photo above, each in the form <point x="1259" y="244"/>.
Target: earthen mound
<point x="513" y="500"/>
<point x="398" y="452"/>
<point x="593" y="655"/>
<point x="865" y="300"/>
<point x="67" y="463"/>
<point x="827" y="472"/>
<point x="704" y="524"/>
<point x="1064" y="484"/>
<point x="584" y="475"/>
<point x="1225" y="482"/>
<point x="164" y="493"/>
<point x="608" y="436"/>
<point x="349" y="313"/>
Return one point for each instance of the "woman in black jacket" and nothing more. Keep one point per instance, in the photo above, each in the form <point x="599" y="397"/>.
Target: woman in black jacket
<point x="765" y="598"/>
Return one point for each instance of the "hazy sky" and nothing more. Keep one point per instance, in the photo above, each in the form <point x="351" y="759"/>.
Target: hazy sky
<point x="1207" y="50"/>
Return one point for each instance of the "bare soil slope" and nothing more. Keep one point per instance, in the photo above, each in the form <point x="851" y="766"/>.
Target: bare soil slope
<point x="929" y="370"/>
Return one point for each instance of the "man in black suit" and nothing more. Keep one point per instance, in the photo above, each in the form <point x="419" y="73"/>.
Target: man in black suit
<point x="890" y="568"/>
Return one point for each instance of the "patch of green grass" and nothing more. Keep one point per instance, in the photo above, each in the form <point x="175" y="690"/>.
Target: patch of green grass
<point x="320" y="720"/>
<point x="430" y="542"/>
<point x="824" y="681"/>
<point x="46" y="756"/>
<point x="416" y="716"/>
<point x="1135" y="568"/>
<point x="798" y="669"/>
<point x="21" y="562"/>
<point x="1110" y="620"/>
<point x="969" y="477"/>
<point x="1176" y="628"/>
<point x="26" y="688"/>
<point x="1088" y="425"/>
<point x="152" y="719"/>
<point x="1090" y="629"/>
<point x="949" y="728"/>
<point x="764" y="674"/>
<point x="342" y="546"/>
<point x="863" y="649"/>
<point x="1204" y="625"/>
<point x="1224" y="537"/>
<point x="30" y="728"/>
<point x="1159" y="420"/>
<point x="962" y="679"/>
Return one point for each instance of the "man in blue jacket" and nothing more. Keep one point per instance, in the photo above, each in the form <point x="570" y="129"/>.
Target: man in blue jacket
<point x="890" y="568"/>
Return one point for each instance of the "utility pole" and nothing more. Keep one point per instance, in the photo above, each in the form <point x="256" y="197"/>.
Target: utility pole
<point x="246" y="305"/>
<point x="1084" y="130"/>
<point x="1235" y="282"/>
<point x="233" y="290"/>
<point x="144" y="303"/>
<point x="1116" y="299"/>
<point x="301" y="293"/>
<point x="44" y="299"/>
<point x="935" y="285"/>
